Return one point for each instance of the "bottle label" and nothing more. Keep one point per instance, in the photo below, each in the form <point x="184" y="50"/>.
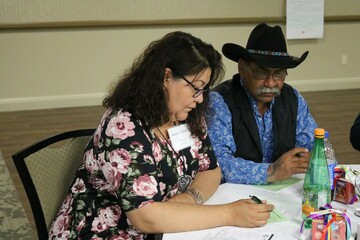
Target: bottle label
<point x="313" y="200"/>
<point x="308" y="202"/>
<point x="322" y="199"/>
<point x="306" y="209"/>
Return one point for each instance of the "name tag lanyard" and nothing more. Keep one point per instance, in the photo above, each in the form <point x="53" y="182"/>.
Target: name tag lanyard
<point x="184" y="180"/>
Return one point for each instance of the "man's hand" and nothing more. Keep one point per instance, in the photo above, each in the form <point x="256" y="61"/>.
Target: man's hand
<point x="292" y="162"/>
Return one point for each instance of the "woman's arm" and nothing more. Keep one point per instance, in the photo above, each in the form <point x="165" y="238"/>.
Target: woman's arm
<point x="163" y="217"/>
<point x="206" y="183"/>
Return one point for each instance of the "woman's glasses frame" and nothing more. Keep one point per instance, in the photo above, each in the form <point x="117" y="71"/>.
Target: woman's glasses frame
<point x="198" y="91"/>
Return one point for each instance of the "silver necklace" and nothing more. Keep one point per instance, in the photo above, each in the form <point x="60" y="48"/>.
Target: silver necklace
<point x="184" y="180"/>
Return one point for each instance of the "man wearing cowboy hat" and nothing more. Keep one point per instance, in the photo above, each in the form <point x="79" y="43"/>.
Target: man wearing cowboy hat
<point x="260" y="127"/>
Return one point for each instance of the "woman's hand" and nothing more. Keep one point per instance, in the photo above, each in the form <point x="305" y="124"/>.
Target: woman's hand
<point x="182" y="217"/>
<point x="247" y="213"/>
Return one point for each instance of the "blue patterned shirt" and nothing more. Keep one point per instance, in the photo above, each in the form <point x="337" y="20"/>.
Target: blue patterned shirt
<point x="237" y="169"/>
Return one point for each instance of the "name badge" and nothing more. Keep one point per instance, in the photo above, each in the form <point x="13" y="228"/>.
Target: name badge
<point x="180" y="137"/>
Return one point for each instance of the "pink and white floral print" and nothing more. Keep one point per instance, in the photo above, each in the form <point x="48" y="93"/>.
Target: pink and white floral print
<point x="137" y="146"/>
<point x="78" y="186"/>
<point x="113" y="177"/>
<point x="145" y="186"/>
<point x="120" y="159"/>
<point x="120" y="126"/>
<point x="125" y="167"/>
<point x="156" y="149"/>
<point x="107" y="217"/>
<point x="90" y="161"/>
<point x="60" y="227"/>
<point x="204" y="162"/>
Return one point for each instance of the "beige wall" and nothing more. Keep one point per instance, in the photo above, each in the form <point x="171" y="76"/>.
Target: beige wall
<point x="63" y="67"/>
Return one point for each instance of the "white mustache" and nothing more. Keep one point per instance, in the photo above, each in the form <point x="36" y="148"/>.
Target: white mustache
<point x="268" y="90"/>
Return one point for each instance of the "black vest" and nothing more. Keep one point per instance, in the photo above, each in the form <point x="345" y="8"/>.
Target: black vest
<point x="245" y="130"/>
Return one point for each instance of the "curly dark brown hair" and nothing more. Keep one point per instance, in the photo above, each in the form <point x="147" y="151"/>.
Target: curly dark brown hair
<point x="140" y="90"/>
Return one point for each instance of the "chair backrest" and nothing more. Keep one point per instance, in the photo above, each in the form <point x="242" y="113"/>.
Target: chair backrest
<point x="46" y="169"/>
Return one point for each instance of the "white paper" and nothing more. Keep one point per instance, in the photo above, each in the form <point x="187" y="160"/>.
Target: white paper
<point x="304" y="19"/>
<point x="234" y="234"/>
<point x="287" y="201"/>
<point x="228" y="233"/>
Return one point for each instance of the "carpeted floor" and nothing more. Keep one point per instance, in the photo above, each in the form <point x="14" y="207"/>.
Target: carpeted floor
<point x="13" y="221"/>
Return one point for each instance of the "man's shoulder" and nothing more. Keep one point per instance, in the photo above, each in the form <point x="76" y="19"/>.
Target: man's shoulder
<point x="223" y="86"/>
<point x="288" y="86"/>
<point x="289" y="90"/>
<point x="228" y="85"/>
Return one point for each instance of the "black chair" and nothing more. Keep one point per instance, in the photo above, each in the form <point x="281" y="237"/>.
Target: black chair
<point x="46" y="169"/>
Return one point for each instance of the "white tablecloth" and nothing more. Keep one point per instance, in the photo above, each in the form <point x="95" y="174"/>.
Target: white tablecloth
<point x="287" y="200"/>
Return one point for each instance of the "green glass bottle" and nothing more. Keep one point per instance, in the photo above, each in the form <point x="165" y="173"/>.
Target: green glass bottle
<point x="316" y="189"/>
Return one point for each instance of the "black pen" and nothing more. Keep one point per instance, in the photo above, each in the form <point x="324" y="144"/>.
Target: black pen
<point x="258" y="201"/>
<point x="255" y="199"/>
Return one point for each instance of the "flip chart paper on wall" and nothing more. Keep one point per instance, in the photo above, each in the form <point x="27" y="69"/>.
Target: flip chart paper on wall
<point x="304" y="19"/>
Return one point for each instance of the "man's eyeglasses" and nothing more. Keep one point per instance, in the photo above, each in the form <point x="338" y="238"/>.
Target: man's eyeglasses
<point x="197" y="91"/>
<point x="262" y="74"/>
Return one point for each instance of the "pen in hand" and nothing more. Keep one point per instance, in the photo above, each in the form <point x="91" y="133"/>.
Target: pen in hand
<point x="255" y="199"/>
<point x="258" y="201"/>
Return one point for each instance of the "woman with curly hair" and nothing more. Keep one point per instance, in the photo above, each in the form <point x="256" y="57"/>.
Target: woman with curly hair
<point x="150" y="165"/>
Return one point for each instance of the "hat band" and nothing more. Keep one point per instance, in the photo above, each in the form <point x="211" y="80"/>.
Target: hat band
<point x="263" y="52"/>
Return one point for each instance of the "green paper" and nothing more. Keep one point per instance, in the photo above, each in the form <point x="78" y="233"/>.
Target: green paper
<point x="276" y="216"/>
<point x="276" y="186"/>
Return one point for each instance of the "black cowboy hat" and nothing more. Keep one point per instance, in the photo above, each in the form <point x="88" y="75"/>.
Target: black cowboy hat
<point x="266" y="46"/>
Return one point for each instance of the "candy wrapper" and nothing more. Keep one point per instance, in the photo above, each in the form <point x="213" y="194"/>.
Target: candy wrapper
<point x="338" y="229"/>
<point x="327" y="224"/>
<point x="345" y="182"/>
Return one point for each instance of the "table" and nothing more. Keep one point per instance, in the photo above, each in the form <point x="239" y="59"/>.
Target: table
<point x="287" y="200"/>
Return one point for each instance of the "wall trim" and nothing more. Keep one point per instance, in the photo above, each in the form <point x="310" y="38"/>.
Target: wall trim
<point x="95" y="99"/>
<point x="68" y="13"/>
<point x="47" y="102"/>
<point x="326" y="84"/>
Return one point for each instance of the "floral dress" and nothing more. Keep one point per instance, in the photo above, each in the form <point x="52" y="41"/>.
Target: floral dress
<point x="125" y="167"/>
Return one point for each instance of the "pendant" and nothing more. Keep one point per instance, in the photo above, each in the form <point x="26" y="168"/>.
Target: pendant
<point x="184" y="182"/>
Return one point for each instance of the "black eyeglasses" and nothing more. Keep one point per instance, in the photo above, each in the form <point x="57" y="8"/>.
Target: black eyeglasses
<point x="197" y="91"/>
<point x="262" y="74"/>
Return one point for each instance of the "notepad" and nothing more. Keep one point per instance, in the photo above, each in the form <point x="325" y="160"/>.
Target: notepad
<point x="276" y="186"/>
<point x="276" y="216"/>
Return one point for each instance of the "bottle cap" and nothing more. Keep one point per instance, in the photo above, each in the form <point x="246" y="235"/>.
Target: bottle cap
<point x="319" y="132"/>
